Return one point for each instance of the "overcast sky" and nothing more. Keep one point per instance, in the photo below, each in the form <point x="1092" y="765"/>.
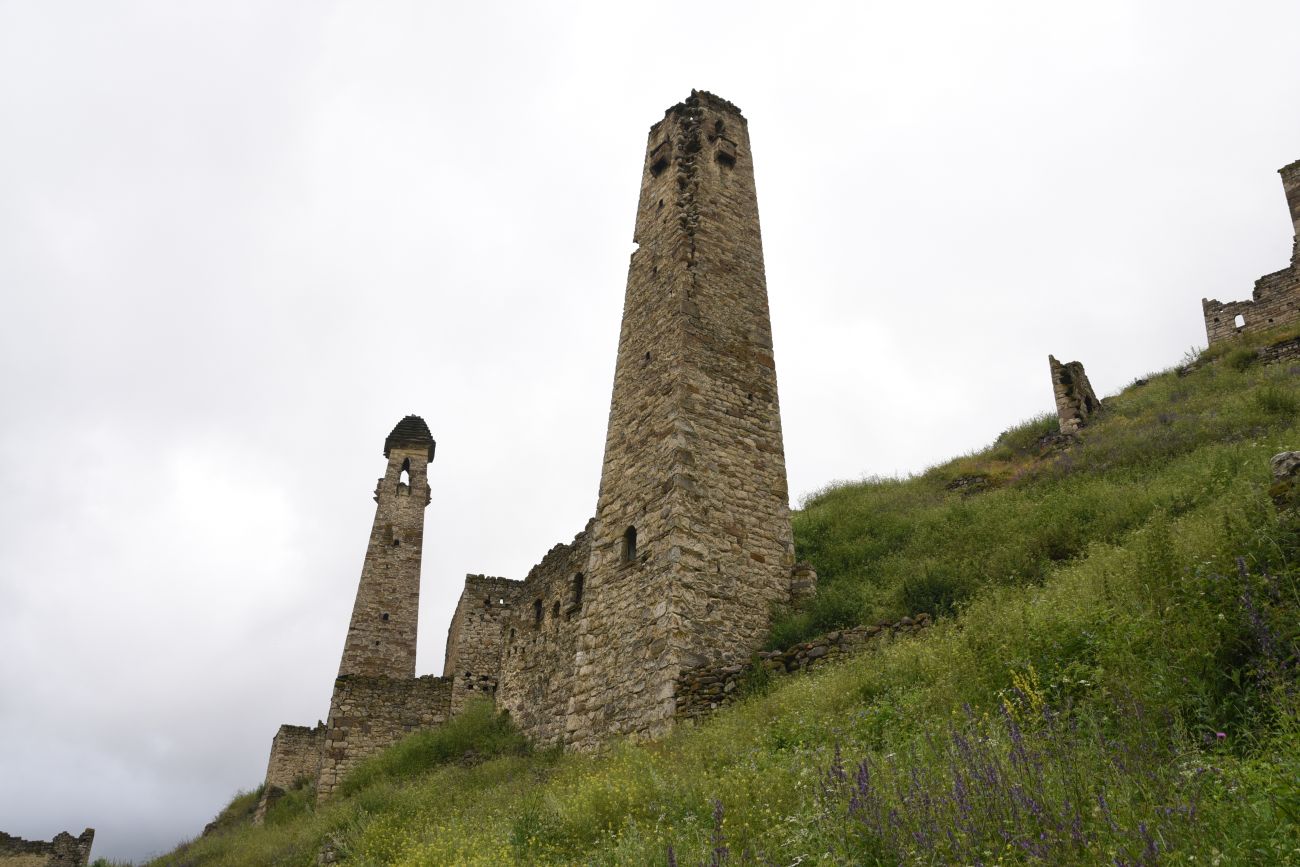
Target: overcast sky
<point x="240" y="240"/>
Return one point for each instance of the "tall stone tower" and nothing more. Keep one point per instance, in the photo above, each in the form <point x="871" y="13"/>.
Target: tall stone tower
<point x="1291" y="185"/>
<point x="691" y="544"/>
<point x="381" y="636"/>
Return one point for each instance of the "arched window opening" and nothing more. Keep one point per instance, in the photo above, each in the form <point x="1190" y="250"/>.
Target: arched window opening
<point x="537" y="612"/>
<point x="577" y="590"/>
<point x="404" y="477"/>
<point x="1239" y="321"/>
<point x="555" y="610"/>
<point x="629" y="545"/>
<point x="512" y="634"/>
<point x="487" y="603"/>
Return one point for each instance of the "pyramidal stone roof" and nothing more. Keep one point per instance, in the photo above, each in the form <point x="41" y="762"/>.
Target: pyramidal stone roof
<point x="411" y="432"/>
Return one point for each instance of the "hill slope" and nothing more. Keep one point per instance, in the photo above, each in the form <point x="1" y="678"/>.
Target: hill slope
<point x="1111" y="680"/>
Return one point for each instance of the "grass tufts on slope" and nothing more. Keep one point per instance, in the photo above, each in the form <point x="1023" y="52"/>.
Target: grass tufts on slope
<point x="1113" y="681"/>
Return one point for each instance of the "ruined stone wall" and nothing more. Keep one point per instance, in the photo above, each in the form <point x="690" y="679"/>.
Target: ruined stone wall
<point x="295" y="753"/>
<point x="1283" y="351"/>
<point x="1276" y="297"/>
<point x="368" y="714"/>
<point x="703" y="690"/>
<point x="541" y="639"/>
<point x="1075" y="400"/>
<point x="694" y="463"/>
<point x="476" y="638"/>
<point x="64" y="850"/>
<point x="381" y="635"/>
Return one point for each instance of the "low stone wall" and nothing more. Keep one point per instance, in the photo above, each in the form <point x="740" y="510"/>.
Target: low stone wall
<point x="702" y="690"/>
<point x="64" y="850"/>
<point x="295" y="754"/>
<point x="1287" y="350"/>
<point x="368" y="714"/>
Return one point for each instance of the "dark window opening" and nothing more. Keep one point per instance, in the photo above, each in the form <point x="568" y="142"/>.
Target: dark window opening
<point x="487" y="603"/>
<point x="537" y="612"/>
<point x="629" y="545"/>
<point x="647" y="356"/>
<point x="661" y="205"/>
<point x="555" y="610"/>
<point x="384" y="617"/>
<point x="659" y="158"/>
<point x="726" y="152"/>
<point x="512" y="634"/>
<point x="578" y="581"/>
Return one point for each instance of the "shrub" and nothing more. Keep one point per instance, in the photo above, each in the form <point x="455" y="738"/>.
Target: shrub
<point x="1276" y="400"/>
<point x="1240" y="358"/>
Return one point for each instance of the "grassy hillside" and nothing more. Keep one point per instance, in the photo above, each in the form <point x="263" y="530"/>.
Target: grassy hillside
<point x="1111" y="680"/>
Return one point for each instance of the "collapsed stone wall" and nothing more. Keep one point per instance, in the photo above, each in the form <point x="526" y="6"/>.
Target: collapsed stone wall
<point x="295" y="753"/>
<point x="1076" y="402"/>
<point x="541" y="640"/>
<point x="1275" y="300"/>
<point x="476" y="637"/>
<point x="64" y="850"/>
<point x="702" y="690"/>
<point x="1285" y="350"/>
<point x="368" y="714"/>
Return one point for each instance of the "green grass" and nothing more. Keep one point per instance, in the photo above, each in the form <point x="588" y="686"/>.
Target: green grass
<point x="1112" y="679"/>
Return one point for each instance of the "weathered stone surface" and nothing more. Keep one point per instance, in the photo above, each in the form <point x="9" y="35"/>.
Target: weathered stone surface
<point x="370" y="713"/>
<point x="295" y="755"/>
<point x="1275" y="300"/>
<point x="381" y="636"/>
<point x="64" y="850"/>
<point x="377" y="698"/>
<point x="1076" y="402"/>
<point x="694" y="463"/>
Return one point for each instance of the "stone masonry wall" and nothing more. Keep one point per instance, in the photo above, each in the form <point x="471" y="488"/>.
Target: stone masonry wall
<point x="295" y="753"/>
<point x="1285" y="350"/>
<point x="476" y="638"/>
<point x="368" y="714"/>
<point x="381" y="635"/>
<point x="703" y="690"/>
<point x="64" y="850"/>
<point x="1276" y="297"/>
<point x="694" y="466"/>
<point x="1075" y="399"/>
<point x="537" y="666"/>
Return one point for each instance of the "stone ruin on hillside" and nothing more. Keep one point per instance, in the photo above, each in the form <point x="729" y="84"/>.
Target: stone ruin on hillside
<point x="64" y="850"/>
<point x="689" y="550"/>
<point x="1276" y="298"/>
<point x="1076" y="402"/>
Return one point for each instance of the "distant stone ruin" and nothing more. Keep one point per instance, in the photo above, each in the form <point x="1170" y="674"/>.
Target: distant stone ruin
<point x="690" y="548"/>
<point x="1076" y="402"/>
<point x="1276" y="298"/>
<point x="64" y="850"/>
